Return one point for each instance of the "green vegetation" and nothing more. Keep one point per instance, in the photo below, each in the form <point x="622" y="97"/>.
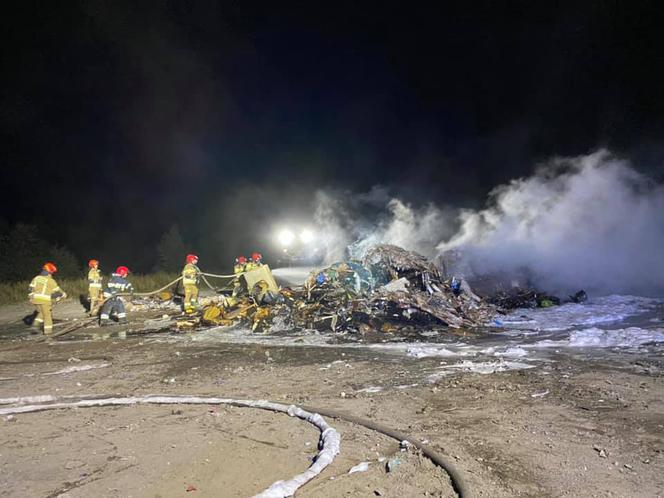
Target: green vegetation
<point x="16" y="292"/>
<point x="23" y="252"/>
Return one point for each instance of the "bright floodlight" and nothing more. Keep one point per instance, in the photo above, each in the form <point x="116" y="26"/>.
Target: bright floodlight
<point x="306" y="236"/>
<point x="286" y="237"/>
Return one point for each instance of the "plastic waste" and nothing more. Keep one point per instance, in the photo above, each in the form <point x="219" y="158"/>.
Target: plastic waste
<point x="455" y="285"/>
<point x="360" y="467"/>
<point x="392" y="464"/>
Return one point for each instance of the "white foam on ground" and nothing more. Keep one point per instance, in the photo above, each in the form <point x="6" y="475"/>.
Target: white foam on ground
<point x="621" y="338"/>
<point x="609" y="309"/>
<point x="483" y="367"/>
<point x="594" y="337"/>
<point x="514" y="352"/>
<point x="427" y="351"/>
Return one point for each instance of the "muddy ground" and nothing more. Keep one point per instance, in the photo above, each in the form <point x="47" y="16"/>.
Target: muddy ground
<point x="577" y="426"/>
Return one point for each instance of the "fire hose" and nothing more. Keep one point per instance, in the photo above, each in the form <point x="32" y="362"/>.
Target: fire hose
<point x="455" y="477"/>
<point x="330" y="438"/>
<point x="203" y="275"/>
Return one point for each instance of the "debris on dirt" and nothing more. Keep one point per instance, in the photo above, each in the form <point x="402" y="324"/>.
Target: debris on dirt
<point x="389" y="290"/>
<point x="392" y="464"/>
<point x="360" y="467"/>
<point x="523" y="298"/>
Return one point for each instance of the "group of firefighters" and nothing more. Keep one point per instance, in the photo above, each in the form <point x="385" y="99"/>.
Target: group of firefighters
<point x="44" y="290"/>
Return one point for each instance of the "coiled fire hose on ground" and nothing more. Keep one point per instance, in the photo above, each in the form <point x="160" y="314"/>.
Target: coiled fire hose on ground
<point x="330" y="439"/>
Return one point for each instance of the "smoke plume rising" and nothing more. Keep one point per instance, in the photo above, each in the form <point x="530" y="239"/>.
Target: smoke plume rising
<point x="589" y="222"/>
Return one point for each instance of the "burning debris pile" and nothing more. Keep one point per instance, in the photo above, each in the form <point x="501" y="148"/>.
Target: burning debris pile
<point x="391" y="289"/>
<point x="531" y="298"/>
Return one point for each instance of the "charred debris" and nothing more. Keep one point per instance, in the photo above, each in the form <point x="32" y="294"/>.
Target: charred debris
<point x="389" y="290"/>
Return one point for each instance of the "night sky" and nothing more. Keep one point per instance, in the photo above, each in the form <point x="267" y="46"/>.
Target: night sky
<point x="118" y="120"/>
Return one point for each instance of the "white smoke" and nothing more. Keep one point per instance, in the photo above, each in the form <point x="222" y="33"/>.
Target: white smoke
<point x="589" y="222"/>
<point x="353" y="223"/>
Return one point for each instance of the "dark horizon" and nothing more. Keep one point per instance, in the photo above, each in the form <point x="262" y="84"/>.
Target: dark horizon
<point x="118" y="122"/>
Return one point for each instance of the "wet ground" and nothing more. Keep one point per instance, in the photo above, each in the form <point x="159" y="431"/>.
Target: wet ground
<point x="562" y="402"/>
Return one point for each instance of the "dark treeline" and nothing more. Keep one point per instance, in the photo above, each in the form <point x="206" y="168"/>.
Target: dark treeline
<point x="23" y="251"/>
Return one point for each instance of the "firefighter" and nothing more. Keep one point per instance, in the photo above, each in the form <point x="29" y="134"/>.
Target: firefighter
<point x="43" y="289"/>
<point x="94" y="286"/>
<point x="117" y="284"/>
<point x="190" y="276"/>
<point x="238" y="269"/>
<point x="255" y="261"/>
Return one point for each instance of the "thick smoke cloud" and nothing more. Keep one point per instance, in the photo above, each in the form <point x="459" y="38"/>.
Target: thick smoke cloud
<point x="351" y="223"/>
<point x="589" y="222"/>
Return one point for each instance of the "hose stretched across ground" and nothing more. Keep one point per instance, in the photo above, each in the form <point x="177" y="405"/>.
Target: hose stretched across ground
<point x="457" y="481"/>
<point x="222" y="276"/>
<point x="307" y="413"/>
<point x="152" y="293"/>
<point x="329" y="438"/>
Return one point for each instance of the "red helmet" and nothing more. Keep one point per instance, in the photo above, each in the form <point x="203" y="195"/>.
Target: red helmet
<point x="123" y="271"/>
<point x="50" y="267"/>
<point x="240" y="260"/>
<point x="92" y="263"/>
<point x="256" y="256"/>
<point x="192" y="258"/>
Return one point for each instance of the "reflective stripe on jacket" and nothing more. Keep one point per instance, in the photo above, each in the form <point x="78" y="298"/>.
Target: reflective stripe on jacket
<point x="117" y="285"/>
<point x="94" y="278"/>
<point x="42" y="288"/>
<point x="190" y="274"/>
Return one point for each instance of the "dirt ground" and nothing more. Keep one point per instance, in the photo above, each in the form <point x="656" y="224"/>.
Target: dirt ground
<point x="574" y="427"/>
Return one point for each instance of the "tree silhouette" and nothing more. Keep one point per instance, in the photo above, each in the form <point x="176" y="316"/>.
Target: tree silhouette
<point x="171" y="251"/>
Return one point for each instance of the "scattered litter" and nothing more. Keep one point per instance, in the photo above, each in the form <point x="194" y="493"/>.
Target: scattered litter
<point x="190" y="488"/>
<point x="602" y="453"/>
<point x="360" y="467"/>
<point x="539" y="395"/>
<point x="392" y="464"/>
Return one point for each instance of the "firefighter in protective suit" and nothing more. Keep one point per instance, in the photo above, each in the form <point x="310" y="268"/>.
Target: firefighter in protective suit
<point x="238" y="269"/>
<point x="94" y="286"/>
<point x="254" y="262"/>
<point x="190" y="276"/>
<point x="43" y="290"/>
<point x="117" y="284"/>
